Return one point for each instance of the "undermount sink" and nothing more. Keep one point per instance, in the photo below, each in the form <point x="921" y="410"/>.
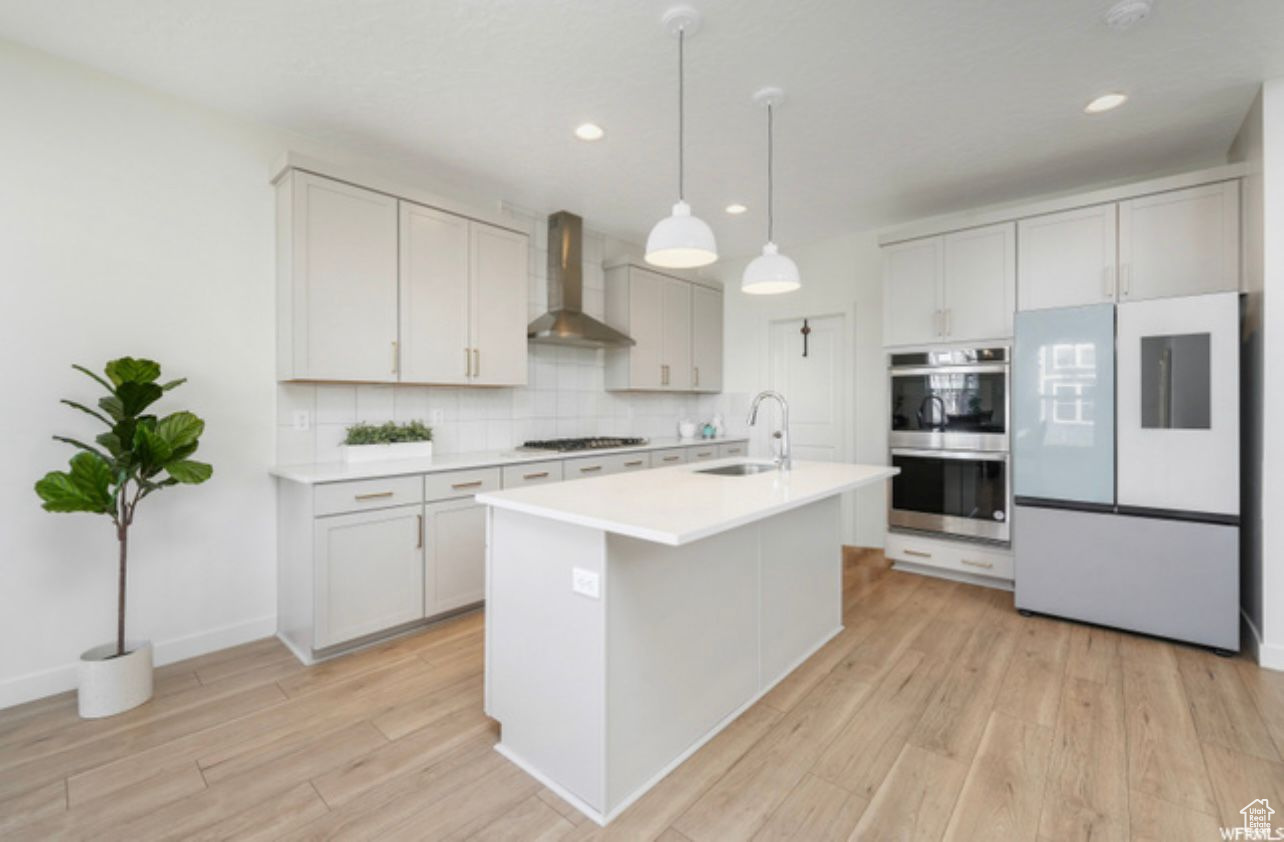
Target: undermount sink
<point x="740" y="469"/>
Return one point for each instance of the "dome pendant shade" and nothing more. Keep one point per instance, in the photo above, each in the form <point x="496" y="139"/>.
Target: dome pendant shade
<point x="770" y="273"/>
<point x="681" y="241"/>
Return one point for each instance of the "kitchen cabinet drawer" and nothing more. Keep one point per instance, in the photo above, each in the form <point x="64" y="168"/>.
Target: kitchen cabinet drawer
<point x="532" y="473"/>
<point x="452" y="484"/>
<point x="359" y="495"/>
<point x="702" y="453"/>
<point x="636" y="462"/>
<point x="727" y="451"/>
<point x="958" y="556"/>
<point x="596" y="466"/>
<point x="668" y="458"/>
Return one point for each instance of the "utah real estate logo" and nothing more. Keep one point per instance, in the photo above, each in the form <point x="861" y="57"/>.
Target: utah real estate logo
<point x="1257" y="823"/>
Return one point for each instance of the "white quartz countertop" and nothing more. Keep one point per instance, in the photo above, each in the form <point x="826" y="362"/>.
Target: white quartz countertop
<point x="679" y="505"/>
<point x="314" y="474"/>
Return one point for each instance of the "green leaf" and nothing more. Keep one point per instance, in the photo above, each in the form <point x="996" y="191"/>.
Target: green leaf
<point x="85" y="488"/>
<point x="113" y="406"/>
<point x="86" y="371"/>
<point x="130" y="370"/>
<point x="85" y="447"/>
<point x="174" y="384"/>
<point x="189" y="472"/>
<point x="112" y="442"/>
<point x="152" y="450"/>
<point x="135" y="397"/>
<point x="180" y="430"/>
<point x="86" y="410"/>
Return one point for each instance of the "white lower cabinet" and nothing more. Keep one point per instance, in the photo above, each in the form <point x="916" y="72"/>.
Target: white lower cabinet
<point x="370" y="573"/>
<point x="954" y="556"/>
<point x="455" y="555"/>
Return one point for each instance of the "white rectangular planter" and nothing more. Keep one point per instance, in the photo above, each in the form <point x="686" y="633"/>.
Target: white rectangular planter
<point x="384" y="452"/>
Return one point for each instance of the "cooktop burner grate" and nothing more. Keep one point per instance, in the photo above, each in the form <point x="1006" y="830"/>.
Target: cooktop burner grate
<point x="594" y="443"/>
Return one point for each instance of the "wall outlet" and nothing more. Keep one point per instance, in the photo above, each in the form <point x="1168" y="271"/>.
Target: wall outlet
<point x="436" y="417"/>
<point x="586" y="582"/>
<point x="301" y="420"/>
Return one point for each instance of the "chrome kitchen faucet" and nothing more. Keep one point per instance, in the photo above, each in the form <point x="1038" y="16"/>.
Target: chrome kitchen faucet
<point x="784" y="461"/>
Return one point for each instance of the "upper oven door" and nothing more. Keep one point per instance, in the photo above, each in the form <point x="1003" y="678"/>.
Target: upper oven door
<point x="956" y="407"/>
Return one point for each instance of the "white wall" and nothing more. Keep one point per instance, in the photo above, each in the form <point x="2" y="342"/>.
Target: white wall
<point x="842" y="275"/>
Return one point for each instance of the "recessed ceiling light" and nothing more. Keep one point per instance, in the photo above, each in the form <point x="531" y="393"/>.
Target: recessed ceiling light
<point x="1105" y="102"/>
<point x="1127" y="13"/>
<point x="589" y="131"/>
<point x="735" y="208"/>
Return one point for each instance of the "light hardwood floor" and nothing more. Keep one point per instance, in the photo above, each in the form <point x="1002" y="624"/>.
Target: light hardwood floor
<point x="938" y="713"/>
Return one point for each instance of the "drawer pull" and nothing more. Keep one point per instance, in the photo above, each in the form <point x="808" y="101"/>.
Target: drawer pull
<point x="704" y="455"/>
<point x="540" y="475"/>
<point x="918" y="554"/>
<point x="671" y="458"/>
<point x="472" y="484"/>
<point x="420" y="545"/>
<point x="733" y="450"/>
<point x="590" y="469"/>
<point x="636" y="464"/>
<point x="984" y="565"/>
<point x="374" y="495"/>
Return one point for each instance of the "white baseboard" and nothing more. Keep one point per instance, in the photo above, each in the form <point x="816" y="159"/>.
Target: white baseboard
<point x="47" y="682"/>
<point x="1268" y="655"/>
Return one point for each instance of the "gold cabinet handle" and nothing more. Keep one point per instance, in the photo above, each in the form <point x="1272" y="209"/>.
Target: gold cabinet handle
<point x="476" y="363"/>
<point x="540" y="475"/>
<point x="918" y="554"/>
<point x="590" y="469"/>
<point x="695" y="376"/>
<point x="468" y="363"/>
<point x="396" y="358"/>
<point x="984" y="565"/>
<point x="472" y="484"/>
<point x="420" y="545"/>
<point x="636" y="464"/>
<point x="704" y="455"/>
<point x="374" y="495"/>
<point x="671" y="458"/>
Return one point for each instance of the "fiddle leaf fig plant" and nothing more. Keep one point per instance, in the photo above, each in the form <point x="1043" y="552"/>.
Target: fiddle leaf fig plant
<point x="138" y="454"/>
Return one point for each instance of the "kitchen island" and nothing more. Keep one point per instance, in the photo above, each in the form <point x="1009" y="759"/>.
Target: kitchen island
<point x="630" y="618"/>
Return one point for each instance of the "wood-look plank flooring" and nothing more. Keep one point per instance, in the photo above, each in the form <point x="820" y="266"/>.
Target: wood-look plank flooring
<point x="938" y="713"/>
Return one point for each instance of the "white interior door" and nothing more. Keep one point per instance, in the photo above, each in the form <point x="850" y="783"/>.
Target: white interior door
<point x="1178" y="403"/>
<point x="813" y="385"/>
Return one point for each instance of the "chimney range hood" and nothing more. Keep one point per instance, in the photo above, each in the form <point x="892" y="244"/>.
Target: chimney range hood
<point x="565" y="322"/>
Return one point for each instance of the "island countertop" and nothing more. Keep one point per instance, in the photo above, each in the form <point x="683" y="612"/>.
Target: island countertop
<point x="678" y="505"/>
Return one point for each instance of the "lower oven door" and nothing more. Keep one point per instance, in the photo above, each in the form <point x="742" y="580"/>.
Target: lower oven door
<point x="954" y="492"/>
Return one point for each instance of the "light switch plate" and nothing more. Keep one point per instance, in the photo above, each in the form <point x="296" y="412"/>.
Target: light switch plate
<point x="586" y="582"/>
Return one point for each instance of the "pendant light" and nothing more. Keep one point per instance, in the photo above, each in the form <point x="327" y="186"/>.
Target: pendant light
<point x="681" y="241"/>
<point x="771" y="272"/>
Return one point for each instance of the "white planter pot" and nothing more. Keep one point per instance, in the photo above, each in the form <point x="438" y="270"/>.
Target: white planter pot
<point x="110" y="685"/>
<point x="384" y="452"/>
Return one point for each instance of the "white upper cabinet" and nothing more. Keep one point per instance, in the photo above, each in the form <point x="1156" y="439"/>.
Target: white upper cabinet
<point x="1184" y="242"/>
<point x="1067" y="259"/>
<point x="376" y="289"/>
<point x="979" y="292"/>
<point x="435" y="346"/>
<point x="675" y="321"/>
<point x="912" y="276"/>
<point x="677" y="328"/>
<point x="497" y="289"/>
<point x="337" y="284"/>
<point x="706" y="339"/>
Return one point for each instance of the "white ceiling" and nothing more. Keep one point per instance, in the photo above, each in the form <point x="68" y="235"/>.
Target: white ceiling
<point x="896" y="108"/>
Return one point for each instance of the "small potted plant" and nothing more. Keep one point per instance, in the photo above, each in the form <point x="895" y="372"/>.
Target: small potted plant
<point x="137" y="455"/>
<point x="377" y="442"/>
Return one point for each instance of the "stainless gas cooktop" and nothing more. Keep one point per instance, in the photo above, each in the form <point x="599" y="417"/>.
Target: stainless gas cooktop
<point x="595" y="443"/>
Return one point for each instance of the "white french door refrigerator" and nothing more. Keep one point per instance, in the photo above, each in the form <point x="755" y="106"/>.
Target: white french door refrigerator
<point x="1125" y="453"/>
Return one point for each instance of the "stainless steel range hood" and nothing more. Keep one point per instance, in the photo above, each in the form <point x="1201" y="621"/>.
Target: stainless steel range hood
<point x="565" y="322"/>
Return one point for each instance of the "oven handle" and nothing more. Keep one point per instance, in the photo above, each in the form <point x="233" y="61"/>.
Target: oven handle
<point x="966" y="455"/>
<point x="978" y="368"/>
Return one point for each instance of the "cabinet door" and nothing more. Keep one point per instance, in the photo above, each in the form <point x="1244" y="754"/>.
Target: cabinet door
<point x="455" y="560"/>
<point x="345" y="281"/>
<point x="1066" y="259"/>
<point x="676" y="328"/>
<point x="498" y="304"/>
<point x="980" y="283"/>
<point x="645" y="327"/>
<point x="434" y="296"/>
<point x="369" y="573"/>
<point x="1184" y="242"/>
<point x="912" y="277"/>
<point x="706" y="339"/>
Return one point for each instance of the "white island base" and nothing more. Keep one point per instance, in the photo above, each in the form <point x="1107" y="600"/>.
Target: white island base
<point x="599" y="697"/>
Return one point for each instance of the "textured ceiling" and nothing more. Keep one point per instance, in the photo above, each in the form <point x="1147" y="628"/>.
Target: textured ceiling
<point x="895" y="109"/>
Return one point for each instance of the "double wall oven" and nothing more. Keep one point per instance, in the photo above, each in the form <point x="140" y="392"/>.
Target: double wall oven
<point x="949" y="437"/>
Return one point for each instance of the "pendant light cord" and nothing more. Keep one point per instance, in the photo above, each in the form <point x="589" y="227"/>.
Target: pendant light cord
<point x="682" y="35"/>
<point x="771" y="219"/>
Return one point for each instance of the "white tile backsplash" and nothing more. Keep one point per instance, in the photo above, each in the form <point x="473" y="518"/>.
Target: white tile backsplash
<point x="564" y="396"/>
